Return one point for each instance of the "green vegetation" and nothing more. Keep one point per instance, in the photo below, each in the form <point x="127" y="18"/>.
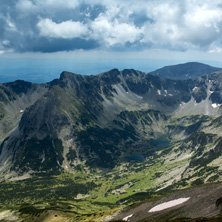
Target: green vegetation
<point x="47" y="188"/>
<point x="71" y="155"/>
<point x="89" y="196"/>
<point x="81" y="195"/>
<point x="33" y="150"/>
<point x="119" y="154"/>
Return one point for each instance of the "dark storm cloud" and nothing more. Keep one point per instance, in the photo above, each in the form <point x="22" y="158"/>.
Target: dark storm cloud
<point x="140" y="18"/>
<point x="3" y="24"/>
<point x="83" y="12"/>
<point x="46" y="45"/>
<point x="65" y="25"/>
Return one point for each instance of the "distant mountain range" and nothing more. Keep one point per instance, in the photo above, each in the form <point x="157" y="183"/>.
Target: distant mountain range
<point x="167" y="131"/>
<point x="190" y="70"/>
<point x="99" y="120"/>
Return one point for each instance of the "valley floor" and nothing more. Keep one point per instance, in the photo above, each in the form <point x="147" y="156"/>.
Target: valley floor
<point x="97" y="196"/>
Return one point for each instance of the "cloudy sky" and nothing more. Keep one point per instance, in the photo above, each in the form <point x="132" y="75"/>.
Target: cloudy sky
<point x="41" y="38"/>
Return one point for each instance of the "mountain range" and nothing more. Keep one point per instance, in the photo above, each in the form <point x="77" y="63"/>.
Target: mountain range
<point x="97" y="120"/>
<point x="100" y="123"/>
<point x="190" y="70"/>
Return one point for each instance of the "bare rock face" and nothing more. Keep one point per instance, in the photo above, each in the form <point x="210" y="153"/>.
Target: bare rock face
<point x="193" y="204"/>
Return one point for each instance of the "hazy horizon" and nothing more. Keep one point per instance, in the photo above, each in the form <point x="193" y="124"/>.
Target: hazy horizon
<point x="52" y="69"/>
<point x="40" y="39"/>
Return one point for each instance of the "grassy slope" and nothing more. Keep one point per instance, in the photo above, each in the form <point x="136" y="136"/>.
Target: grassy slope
<point x="93" y="196"/>
<point x="89" y="197"/>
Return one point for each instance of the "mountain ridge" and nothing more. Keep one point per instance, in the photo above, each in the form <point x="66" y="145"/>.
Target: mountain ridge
<point x="190" y="70"/>
<point x="82" y="108"/>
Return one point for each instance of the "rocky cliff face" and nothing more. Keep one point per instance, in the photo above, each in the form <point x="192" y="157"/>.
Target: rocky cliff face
<point x="93" y="122"/>
<point x="15" y="97"/>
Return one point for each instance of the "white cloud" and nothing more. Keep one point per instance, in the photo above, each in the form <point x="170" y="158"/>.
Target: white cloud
<point x="165" y="28"/>
<point x="66" y="30"/>
<point x="5" y="43"/>
<point x="160" y="24"/>
<point x="216" y="50"/>
<point x="201" y="25"/>
<point x="58" y="3"/>
<point x="11" y="24"/>
<point x="25" y="5"/>
<point x="114" y="32"/>
<point x="183" y="25"/>
<point x="38" y="5"/>
<point x="4" y="51"/>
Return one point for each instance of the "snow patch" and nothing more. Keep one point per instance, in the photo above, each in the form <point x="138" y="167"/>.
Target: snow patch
<point x="21" y="111"/>
<point x="158" y="91"/>
<point x="165" y="91"/>
<point x="127" y="218"/>
<point x="195" y="88"/>
<point x="215" y="105"/>
<point x="168" y="204"/>
<point x="161" y="188"/>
